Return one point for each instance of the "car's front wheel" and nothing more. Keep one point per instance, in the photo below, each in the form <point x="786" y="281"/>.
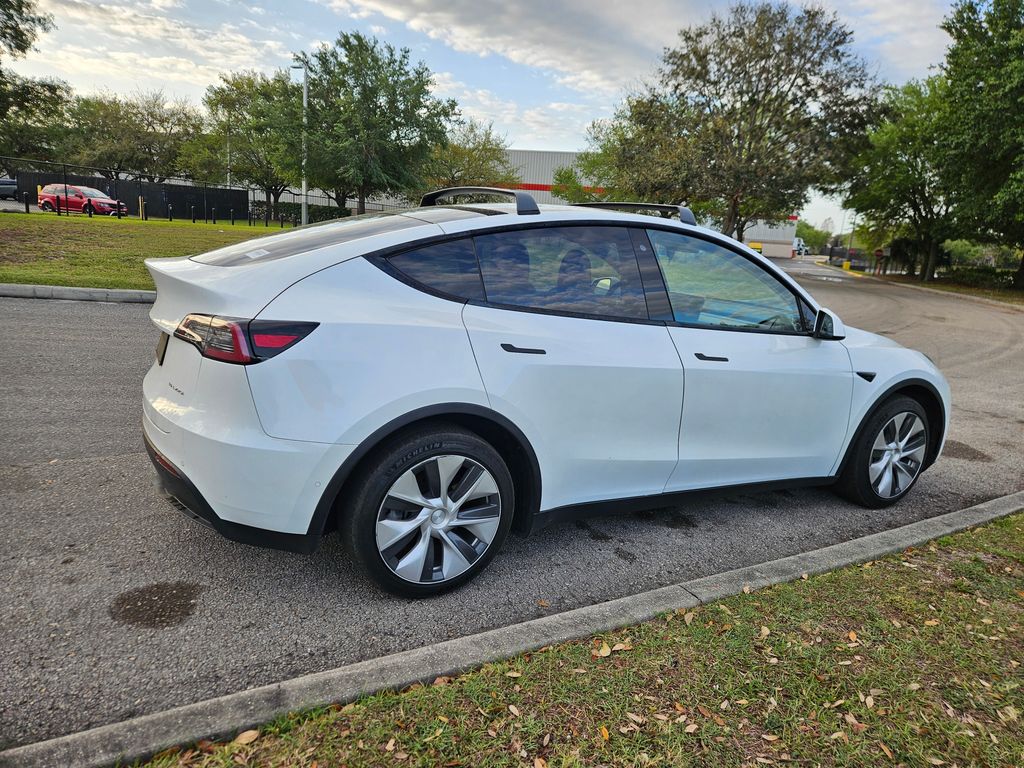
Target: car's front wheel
<point x="430" y="511"/>
<point x="888" y="455"/>
<point x="46" y="205"/>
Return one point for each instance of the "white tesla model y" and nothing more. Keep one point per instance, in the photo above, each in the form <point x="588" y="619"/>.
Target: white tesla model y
<point x="426" y="381"/>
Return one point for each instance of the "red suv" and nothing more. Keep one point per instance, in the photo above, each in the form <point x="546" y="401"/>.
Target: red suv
<point x="79" y="200"/>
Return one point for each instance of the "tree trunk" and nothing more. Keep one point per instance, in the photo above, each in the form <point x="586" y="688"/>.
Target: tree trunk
<point x="928" y="272"/>
<point x="361" y="204"/>
<point x="732" y="215"/>
<point x="1018" y="278"/>
<point x="340" y="198"/>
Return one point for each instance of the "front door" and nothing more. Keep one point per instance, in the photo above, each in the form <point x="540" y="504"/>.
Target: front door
<point x="763" y="399"/>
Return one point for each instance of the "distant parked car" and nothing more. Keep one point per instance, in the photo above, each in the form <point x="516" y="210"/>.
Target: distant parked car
<point x="79" y="200"/>
<point x="8" y="189"/>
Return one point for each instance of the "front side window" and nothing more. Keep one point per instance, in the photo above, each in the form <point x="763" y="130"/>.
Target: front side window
<point x="713" y="286"/>
<point x="578" y="270"/>
<point x="448" y="267"/>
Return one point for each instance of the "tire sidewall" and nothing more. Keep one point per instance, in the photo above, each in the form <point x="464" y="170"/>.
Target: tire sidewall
<point x="359" y="524"/>
<point x="860" y="479"/>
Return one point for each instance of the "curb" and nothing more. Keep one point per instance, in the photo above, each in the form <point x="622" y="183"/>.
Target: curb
<point x="144" y="736"/>
<point x="67" y="293"/>
<point x="926" y="289"/>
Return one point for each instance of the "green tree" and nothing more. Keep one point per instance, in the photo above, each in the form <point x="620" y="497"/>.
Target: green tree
<point x="33" y="125"/>
<point x="752" y="109"/>
<point x="373" y="122"/>
<point x="897" y="180"/>
<point x="139" y="135"/>
<point x="983" y="130"/>
<point x="816" y="239"/>
<point x="474" y="156"/>
<point x="252" y="134"/>
<point x="20" y="25"/>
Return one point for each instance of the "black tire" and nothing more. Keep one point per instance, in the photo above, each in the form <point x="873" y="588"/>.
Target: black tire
<point x="384" y="467"/>
<point x="46" y="205"/>
<point x="855" y="482"/>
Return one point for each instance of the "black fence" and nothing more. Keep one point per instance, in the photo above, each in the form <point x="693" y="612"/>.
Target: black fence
<point x="177" y="198"/>
<point x="162" y="199"/>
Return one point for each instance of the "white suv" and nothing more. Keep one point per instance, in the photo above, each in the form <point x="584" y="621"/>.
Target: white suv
<point x="426" y="381"/>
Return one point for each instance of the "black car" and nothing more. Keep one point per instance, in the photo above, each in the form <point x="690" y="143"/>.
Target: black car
<point x="8" y="189"/>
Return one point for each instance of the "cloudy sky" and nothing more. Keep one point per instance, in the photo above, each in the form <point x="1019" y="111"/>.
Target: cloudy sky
<point x="540" y="70"/>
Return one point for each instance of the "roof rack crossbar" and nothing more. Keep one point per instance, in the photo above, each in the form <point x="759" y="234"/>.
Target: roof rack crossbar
<point x="525" y="204"/>
<point x="685" y="214"/>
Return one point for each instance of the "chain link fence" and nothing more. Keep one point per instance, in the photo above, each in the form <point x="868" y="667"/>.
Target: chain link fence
<point x="57" y="188"/>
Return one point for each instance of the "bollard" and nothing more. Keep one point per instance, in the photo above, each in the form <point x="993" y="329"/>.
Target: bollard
<point x="170" y="212"/>
<point x="231" y="213"/>
<point x="56" y="202"/>
<point x="88" y="209"/>
<point x="193" y="214"/>
<point x="213" y="215"/>
<point x="266" y="217"/>
<point x="24" y="196"/>
<point x="281" y="216"/>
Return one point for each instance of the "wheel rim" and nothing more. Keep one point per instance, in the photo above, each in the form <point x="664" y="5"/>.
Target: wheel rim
<point x="438" y="519"/>
<point x="897" y="455"/>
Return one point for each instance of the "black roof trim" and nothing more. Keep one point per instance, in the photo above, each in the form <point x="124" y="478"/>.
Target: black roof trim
<point x="685" y="214"/>
<point x="525" y="204"/>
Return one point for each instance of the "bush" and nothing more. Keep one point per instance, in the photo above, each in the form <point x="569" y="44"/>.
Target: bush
<point x="979" y="277"/>
<point x="293" y="211"/>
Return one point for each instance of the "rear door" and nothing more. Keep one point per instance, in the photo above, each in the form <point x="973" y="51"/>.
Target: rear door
<point x="764" y="399"/>
<point x="568" y="352"/>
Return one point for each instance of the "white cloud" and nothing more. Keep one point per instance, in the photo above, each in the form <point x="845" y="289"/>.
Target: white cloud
<point x="548" y="126"/>
<point x="904" y="36"/>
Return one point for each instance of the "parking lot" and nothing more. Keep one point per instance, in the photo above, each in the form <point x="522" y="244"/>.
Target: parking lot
<point x="115" y="605"/>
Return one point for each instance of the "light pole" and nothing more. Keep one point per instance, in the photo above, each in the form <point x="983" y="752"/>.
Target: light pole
<point x="304" y="66"/>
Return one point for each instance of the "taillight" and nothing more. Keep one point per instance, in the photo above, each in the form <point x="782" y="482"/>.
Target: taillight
<point x="234" y="340"/>
<point x="271" y="337"/>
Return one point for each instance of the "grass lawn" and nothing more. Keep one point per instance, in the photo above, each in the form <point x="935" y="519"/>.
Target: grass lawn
<point x="102" y="252"/>
<point x="913" y="660"/>
<point x="999" y="294"/>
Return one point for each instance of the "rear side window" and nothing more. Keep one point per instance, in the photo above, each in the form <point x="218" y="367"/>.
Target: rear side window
<point x="449" y="267"/>
<point x="577" y="270"/>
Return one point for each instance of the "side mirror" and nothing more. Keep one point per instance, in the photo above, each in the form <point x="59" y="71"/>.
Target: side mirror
<point x="828" y="326"/>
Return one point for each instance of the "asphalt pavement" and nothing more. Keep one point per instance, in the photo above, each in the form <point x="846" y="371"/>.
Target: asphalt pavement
<point x="114" y="605"/>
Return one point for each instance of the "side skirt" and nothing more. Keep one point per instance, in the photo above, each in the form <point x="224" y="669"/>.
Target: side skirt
<point x="589" y="509"/>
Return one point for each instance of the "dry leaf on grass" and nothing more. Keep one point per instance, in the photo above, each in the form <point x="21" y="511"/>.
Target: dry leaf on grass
<point x="246" y="737"/>
<point x="604" y="733"/>
<point x="691" y="728"/>
<point x="514" y="709"/>
<point x="603" y="651"/>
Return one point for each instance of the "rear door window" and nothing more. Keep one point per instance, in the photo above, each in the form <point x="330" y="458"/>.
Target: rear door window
<point x="574" y="270"/>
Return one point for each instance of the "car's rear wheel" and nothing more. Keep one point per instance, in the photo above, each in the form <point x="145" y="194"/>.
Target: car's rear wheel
<point x="888" y="455"/>
<point x="46" y="205"/>
<point x="430" y="511"/>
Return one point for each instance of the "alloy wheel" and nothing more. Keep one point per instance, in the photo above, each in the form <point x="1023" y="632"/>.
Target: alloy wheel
<point x="897" y="455"/>
<point x="438" y="518"/>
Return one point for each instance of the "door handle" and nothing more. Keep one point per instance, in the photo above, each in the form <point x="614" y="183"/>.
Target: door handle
<point x="523" y="350"/>
<point x="710" y="358"/>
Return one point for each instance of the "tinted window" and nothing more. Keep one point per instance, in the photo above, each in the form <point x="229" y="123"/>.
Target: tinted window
<point x="447" y="267"/>
<point x="714" y="286"/>
<point x="586" y="270"/>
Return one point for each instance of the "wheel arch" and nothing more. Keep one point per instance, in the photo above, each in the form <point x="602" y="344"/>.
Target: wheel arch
<point x="506" y="438"/>
<point x="925" y="393"/>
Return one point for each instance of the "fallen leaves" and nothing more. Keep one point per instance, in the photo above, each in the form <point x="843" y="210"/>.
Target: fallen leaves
<point x="246" y="737"/>
<point x="603" y="651"/>
<point x="514" y="710"/>
<point x="604" y="733"/>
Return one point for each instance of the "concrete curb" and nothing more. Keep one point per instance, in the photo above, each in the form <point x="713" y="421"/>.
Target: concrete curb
<point x="141" y="737"/>
<point x="67" y="293"/>
<point x="968" y="296"/>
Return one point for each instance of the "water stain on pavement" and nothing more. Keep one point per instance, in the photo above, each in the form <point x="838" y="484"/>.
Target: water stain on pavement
<point x="625" y="554"/>
<point x="957" y="450"/>
<point x="156" y="606"/>
<point x="594" y="534"/>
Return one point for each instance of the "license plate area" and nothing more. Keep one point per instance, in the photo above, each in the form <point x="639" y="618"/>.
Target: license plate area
<point x="161" y="348"/>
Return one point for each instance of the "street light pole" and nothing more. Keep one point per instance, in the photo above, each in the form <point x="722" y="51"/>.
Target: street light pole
<point x="305" y="108"/>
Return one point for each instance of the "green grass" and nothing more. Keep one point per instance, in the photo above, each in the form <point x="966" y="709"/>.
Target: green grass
<point x="999" y="294"/>
<point x="913" y="660"/>
<point x="102" y="252"/>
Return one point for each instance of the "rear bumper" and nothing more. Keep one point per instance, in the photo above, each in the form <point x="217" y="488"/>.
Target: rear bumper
<point x="192" y="503"/>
